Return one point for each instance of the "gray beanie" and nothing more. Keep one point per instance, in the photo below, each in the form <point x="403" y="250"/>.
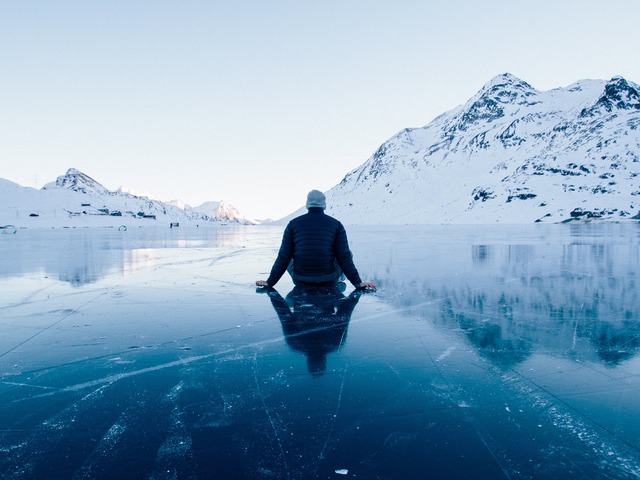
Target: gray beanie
<point x="316" y="198"/>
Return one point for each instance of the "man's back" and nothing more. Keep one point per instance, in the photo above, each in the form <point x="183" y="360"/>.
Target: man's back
<point x="315" y="237"/>
<point x="315" y="249"/>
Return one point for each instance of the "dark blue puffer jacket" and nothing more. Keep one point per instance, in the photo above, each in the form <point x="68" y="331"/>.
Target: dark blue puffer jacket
<point x="314" y="241"/>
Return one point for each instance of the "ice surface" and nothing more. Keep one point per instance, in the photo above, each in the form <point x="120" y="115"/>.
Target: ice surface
<point x="502" y="352"/>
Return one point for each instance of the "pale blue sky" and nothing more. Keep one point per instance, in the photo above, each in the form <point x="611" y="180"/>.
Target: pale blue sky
<point x="257" y="102"/>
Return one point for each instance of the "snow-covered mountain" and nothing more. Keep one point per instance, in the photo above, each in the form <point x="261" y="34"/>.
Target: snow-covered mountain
<point x="219" y="210"/>
<point x="76" y="199"/>
<point x="511" y="154"/>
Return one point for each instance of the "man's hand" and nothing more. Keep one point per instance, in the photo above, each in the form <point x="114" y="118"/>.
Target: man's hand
<point x="261" y="283"/>
<point x="367" y="286"/>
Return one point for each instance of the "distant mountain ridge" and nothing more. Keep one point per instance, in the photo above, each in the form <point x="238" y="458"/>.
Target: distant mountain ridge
<point x="76" y="199"/>
<point x="511" y="154"/>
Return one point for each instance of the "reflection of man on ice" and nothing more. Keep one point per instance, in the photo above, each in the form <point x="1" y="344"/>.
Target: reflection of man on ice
<point x="315" y="250"/>
<point x="315" y="321"/>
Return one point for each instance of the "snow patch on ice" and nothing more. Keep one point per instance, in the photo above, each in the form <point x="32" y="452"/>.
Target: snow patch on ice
<point x="445" y="354"/>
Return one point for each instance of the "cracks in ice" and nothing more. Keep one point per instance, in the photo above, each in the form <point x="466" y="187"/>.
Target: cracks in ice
<point x="180" y="362"/>
<point x="64" y="317"/>
<point x="30" y="452"/>
<point x="570" y="420"/>
<point x="335" y="414"/>
<point x="275" y="430"/>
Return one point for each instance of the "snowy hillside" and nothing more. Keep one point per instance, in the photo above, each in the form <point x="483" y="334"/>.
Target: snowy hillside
<point x="77" y="200"/>
<point x="511" y="154"/>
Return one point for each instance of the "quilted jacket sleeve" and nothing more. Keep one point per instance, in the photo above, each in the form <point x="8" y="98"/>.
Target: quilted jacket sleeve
<point x="345" y="258"/>
<point x="285" y="254"/>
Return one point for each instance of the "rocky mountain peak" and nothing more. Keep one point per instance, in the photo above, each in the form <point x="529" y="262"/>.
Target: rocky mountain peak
<point x="490" y="102"/>
<point x="622" y="94"/>
<point x="507" y="87"/>
<point x="618" y="95"/>
<point x="78" y="182"/>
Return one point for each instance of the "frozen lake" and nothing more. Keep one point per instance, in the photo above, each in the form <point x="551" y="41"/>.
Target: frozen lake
<point x="487" y="352"/>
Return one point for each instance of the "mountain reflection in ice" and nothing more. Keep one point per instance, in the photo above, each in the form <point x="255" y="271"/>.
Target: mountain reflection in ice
<point x="487" y="352"/>
<point x="575" y="292"/>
